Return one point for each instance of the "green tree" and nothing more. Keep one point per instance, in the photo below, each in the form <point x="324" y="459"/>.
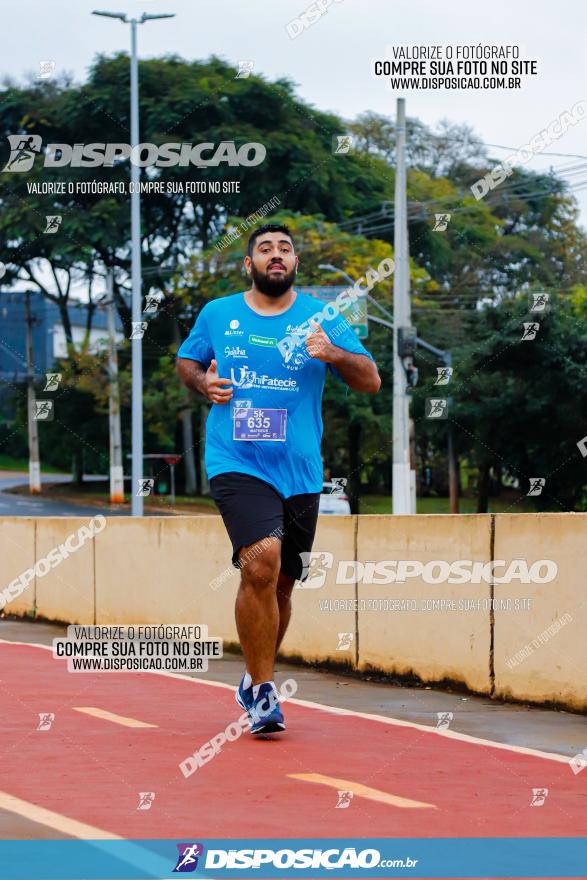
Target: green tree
<point x="515" y="402"/>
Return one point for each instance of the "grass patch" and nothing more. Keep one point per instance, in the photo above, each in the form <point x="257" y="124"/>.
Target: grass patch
<point x="8" y="463"/>
<point x="510" y="503"/>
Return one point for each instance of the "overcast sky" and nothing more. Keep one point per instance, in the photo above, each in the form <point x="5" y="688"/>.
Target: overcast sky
<point x="331" y="60"/>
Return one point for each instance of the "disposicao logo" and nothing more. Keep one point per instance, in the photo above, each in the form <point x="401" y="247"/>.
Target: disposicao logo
<point x="25" y="148"/>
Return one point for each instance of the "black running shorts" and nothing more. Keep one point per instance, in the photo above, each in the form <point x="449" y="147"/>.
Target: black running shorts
<point x="253" y="509"/>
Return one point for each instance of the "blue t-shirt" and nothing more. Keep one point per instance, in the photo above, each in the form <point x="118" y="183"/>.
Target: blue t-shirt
<point x="272" y="426"/>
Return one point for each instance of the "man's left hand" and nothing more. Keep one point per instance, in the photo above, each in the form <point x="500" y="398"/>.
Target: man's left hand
<point x="318" y="345"/>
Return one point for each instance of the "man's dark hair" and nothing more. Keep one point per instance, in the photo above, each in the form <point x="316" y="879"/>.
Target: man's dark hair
<point x="268" y="227"/>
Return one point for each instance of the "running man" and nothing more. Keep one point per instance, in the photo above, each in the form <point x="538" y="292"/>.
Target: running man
<point x="260" y="357"/>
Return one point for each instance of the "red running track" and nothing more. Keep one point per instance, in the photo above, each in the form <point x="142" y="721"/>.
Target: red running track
<point x="92" y="770"/>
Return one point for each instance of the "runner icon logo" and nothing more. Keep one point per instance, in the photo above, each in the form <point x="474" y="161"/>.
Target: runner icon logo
<point x="146" y="799"/>
<point x="23" y="150"/>
<point x="342" y="143"/>
<point x="187" y="860"/>
<point x="344" y="799"/>
<point x="53" y="380"/>
<point x="537" y="484"/>
<point x="53" y="222"/>
<point x="344" y="641"/>
<point x="443" y="720"/>
<point x="540" y="302"/>
<point x="441" y="222"/>
<point x="46" y="719"/>
<point x="436" y="408"/>
<point x="43" y="411"/>
<point x="578" y="762"/>
<point x="444" y="375"/>
<point x="338" y="485"/>
<point x="315" y="565"/>
<point x="531" y="329"/>
<point x="539" y="795"/>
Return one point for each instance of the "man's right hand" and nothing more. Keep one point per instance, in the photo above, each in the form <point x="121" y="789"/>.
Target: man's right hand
<point x="214" y="390"/>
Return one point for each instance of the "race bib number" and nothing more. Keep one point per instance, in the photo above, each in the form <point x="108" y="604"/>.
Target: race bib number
<point x="259" y="424"/>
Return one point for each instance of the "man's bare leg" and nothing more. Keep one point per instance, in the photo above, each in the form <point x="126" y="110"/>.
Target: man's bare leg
<point x="257" y="610"/>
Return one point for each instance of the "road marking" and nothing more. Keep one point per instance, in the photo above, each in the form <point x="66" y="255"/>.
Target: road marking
<point x="53" y="820"/>
<point x="372" y="794"/>
<point x="110" y="716"/>
<point x="335" y="710"/>
<point x="129" y="852"/>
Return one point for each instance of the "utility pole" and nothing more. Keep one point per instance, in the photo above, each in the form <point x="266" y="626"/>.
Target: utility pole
<point x="116" y="472"/>
<point x="453" y="472"/>
<point x="446" y="358"/>
<point x="402" y="478"/>
<point x="187" y="432"/>
<point x="453" y="465"/>
<point x="137" y="298"/>
<point x="34" y="463"/>
<point x="135" y="224"/>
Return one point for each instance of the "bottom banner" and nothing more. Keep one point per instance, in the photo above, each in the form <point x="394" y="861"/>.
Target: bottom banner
<point x="553" y="857"/>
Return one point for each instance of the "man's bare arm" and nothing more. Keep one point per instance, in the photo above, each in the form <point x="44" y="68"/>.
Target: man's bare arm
<point x="358" y="371"/>
<point x="206" y="382"/>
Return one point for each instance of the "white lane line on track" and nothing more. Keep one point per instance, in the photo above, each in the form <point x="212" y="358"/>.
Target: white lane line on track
<point x="131" y="853"/>
<point x="124" y="720"/>
<point x="336" y="710"/>
<point x="60" y="823"/>
<point x="365" y="791"/>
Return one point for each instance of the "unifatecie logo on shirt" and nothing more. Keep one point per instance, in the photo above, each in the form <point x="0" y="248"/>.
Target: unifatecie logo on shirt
<point x="249" y="379"/>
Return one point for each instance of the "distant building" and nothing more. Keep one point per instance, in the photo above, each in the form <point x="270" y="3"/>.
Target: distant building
<point x="48" y="338"/>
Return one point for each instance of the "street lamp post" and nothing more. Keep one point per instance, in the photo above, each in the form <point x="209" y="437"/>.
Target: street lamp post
<point x="34" y="463"/>
<point x="135" y="220"/>
<point x="116" y="471"/>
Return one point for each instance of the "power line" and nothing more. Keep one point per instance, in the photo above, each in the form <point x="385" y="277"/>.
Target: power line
<point x="510" y="188"/>
<point x="477" y="142"/>
<point x="369" y="220"/>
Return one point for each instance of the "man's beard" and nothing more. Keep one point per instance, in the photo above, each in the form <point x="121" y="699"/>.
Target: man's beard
<point x="272" y="286"/>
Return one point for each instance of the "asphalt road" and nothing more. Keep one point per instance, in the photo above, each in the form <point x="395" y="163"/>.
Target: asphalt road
<point x="22" y="505"/>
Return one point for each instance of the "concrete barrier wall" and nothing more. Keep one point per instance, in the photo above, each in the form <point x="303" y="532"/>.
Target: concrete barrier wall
<point x="541" y="651"/>
<point x="429" y="633"/>
<point x="66" y="592"/>
<point x="321" y="613"/>
<point x="159" y="570"/>
<point x="178" y="570"/>
<point x="17" y="555"/>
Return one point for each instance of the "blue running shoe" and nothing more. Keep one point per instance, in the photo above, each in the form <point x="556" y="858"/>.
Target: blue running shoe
<point x="244" y="696"/>
<point x="265" y="713"/>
